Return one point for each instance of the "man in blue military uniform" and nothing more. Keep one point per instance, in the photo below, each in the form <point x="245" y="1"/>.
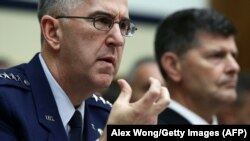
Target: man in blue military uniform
<point x="51" y="98"/>
<point x="27" y="103"/>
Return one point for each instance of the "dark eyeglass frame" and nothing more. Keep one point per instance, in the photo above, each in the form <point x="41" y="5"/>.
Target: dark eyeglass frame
<point x="128" y="32"/>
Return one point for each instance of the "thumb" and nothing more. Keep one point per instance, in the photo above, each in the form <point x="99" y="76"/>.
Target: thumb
<point x="126" y="91"/>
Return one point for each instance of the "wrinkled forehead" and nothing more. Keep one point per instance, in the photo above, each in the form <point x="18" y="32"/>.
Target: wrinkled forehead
<point x="118" y="8"/>
<point x="213" y="42"/>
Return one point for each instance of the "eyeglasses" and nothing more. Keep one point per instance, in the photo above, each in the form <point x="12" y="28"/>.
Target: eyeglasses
<point x="105" y="23"/>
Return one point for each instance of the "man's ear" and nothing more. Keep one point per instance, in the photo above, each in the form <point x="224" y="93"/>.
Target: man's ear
<point x="50" y="30"/>
<point x="171" y="65"/>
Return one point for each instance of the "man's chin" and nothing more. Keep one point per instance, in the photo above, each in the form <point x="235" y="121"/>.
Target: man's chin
<point x="230" y="96"/>
<point x="104" y="81"/>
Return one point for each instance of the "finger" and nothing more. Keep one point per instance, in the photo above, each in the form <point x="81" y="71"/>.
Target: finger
<point x="126" y="91"/>
<point x="153" y="93"/>
<point x="163" y="101"/>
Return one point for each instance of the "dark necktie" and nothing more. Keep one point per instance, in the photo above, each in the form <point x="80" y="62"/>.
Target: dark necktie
<point x="75" y="124"/>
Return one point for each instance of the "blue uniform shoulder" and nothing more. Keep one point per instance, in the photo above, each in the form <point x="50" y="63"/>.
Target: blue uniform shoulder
<point x="14" y="78"/>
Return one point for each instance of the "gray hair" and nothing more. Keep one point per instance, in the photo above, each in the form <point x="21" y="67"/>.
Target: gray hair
<point x="56" y="7"/>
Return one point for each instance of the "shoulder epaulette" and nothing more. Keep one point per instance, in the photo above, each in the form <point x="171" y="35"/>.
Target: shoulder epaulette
<point x="12" y="79"/>
<point x="100" y="101"/>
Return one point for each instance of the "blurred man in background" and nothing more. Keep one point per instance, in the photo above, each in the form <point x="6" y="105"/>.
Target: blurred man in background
<point x="138" y="76"/>
<point x="4" y="63"/>
<point x="196" y="52"/>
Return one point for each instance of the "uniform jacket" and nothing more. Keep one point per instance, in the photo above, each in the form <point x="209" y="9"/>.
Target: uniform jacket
<point x="28" y="111"/>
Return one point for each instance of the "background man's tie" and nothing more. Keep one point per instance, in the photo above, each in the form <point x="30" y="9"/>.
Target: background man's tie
<point x="75" y="124"/>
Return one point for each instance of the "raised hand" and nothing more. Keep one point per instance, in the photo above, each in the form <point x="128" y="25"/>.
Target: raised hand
<point x="143" y="111"/>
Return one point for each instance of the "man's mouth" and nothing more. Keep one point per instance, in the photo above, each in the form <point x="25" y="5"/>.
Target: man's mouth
<point x="230" y="84"/>
<point x="110" y="60"/>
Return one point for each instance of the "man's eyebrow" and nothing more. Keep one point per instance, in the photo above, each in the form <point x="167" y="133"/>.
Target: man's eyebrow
<point x="97" y="13"/>
<point x="102" y="13"/>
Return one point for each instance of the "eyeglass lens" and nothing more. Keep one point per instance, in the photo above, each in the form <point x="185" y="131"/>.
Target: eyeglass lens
<point x="106" y="23"/>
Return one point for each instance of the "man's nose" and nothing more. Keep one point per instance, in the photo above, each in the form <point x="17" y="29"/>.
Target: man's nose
<point x="232" y="64"/>
<point x="115" y="36"/>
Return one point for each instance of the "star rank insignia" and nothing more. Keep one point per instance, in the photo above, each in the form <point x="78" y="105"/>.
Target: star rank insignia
<point x="11" y="76"/>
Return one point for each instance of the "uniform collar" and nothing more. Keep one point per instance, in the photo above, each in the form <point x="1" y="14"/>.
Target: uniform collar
<point x="65" y="107"/>
<point x="190" y="115"/>
<point x="45" y="105"/>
